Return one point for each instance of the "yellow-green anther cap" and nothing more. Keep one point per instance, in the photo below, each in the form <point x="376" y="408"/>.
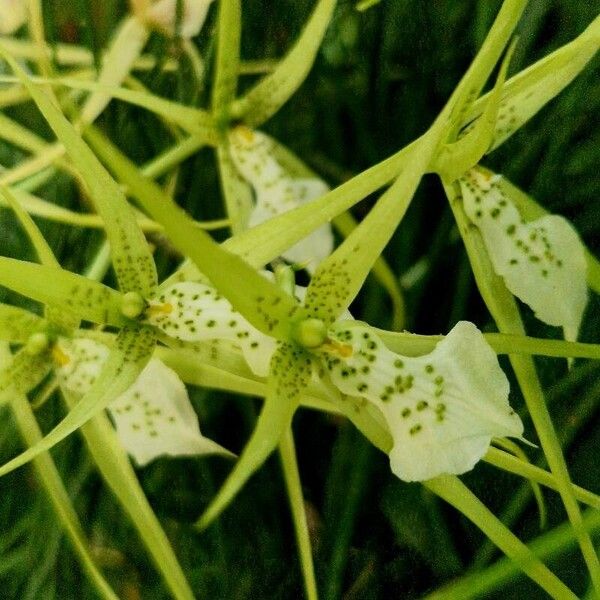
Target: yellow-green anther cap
<point x="132" y="305"/>
<point x="310" y="333"/>
<point x="37" y="343"/>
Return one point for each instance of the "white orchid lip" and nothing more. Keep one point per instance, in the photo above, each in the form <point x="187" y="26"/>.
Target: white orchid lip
<point x="195" y="312"/>
<point x="442" y="409"/>
<point x="276" y="191"/>
<point x="153" y="418"/>
<point x="542" y="262"/>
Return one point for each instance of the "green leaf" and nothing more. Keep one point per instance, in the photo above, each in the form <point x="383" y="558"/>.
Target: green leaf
<point x="63" y="290"/>
<point x="271" y="92"/>
<point x="456" y="158"/>
<point x="17" y="324"/>
<point x="260" y="301"/>
<point x="45" y="254"/>
<point x="485" y="582"/>
<point x="290" y="373"/>
<point x="133" y="349"/>
<point x="528" y="91"/>
<point x="132" y="259"/>
<point x="49" y="477"/>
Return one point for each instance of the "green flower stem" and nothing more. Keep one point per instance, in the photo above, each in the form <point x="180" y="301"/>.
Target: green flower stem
<point x="453" y="491"/>
<point x="50" y="479"/>
<point x="35" y="23"/>
<point x="512" y="464"/>
<point x="506" y="314"/>
<point x="293" y="486"/>
<point x="227" y="59"/>
<point x="480" y="584"/>
<point x="583" y="411"/>
<point x="172" y="157"/>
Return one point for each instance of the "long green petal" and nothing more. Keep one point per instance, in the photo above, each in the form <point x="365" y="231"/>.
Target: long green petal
<point x="123" y="50"/>
<point x="531" y="89"/>
<point x="132" y="259"/>
<point x="458" y="157"/>
<point x="290" y="372"/>
<point x="512" y="464"/>
<point x="340" y="276"/>
<point x="271" y="92"/>
<point x="64" y="290"/>
<point x="22" y="374"/>
<point x="192" y="120"/>
<point x="17" y="324"/>
<point x="133" y="349"/>
<point x="227" y="64"/>
<point x="260" y="301"/>
<point x="45" y="254"/>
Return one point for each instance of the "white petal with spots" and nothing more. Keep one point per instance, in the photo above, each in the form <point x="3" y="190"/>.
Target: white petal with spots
<point x="78" y="363"/>
<point x="193" y="312"/>
<point x="164" y="14"/>
<point x="442" y="409"/>
<point x="542" y="262"/>
<point x="276" y="192"/>
<point x="153" y="418"/>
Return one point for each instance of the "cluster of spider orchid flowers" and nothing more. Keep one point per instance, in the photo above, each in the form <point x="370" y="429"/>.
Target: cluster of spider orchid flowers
<point x="438" y="410"/>
<point x="442" y="409"/>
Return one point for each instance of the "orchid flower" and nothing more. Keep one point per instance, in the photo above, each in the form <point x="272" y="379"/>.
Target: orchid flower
<point x="276" y="192"/>
<point x="163" y="14"/>
<point x="153" y="418"/>
<point x="442" y="409"/>
<point x="13" y="14"/>
<point x="542" y="262"/>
